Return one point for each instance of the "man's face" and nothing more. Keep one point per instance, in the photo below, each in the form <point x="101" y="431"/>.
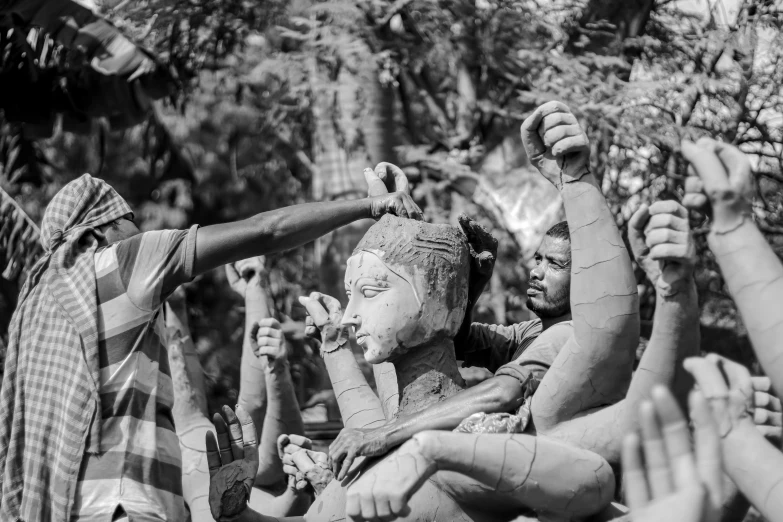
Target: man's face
<point x="120" y="229"/>
<point x="549" y="288"/>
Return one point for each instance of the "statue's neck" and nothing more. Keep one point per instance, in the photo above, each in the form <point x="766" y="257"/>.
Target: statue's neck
<point x="426" y="375"/>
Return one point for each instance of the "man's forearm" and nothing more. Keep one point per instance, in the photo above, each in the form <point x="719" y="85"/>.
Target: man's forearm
<point x="754" y="276"/>
<point x="497" y="395"/>
<point x="274" y="231"/>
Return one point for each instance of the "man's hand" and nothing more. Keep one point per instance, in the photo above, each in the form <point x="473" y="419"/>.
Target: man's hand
<point x="767" y="410"/>
<point x="323" y="322"/>
<point x="398" y="203"/>
<point x="720" y="183"/>
<point x="662" y="476"/>
<point x="244" y="272"/>
<point x="267" y="341"/>
<point x="353" y="443"/>
<point x="382" y="492"/>
<point x="728" y="387"/>
<point x="386" y="178"/>
<point x="555" y="143"/>
<point x="233" y="463"/>
<point x="662" y="244"/>
<point x="304" y="466"/>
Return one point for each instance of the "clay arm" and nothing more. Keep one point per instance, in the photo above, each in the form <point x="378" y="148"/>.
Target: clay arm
<point x="525" y="467"/>
<point x="663" y="247"/>
<point x="289" y="227"/>
<point x="359" y="406"/>
<point x="594" y="368"/>
<point x="752" y="463"/>
<point x="724" y="187"/>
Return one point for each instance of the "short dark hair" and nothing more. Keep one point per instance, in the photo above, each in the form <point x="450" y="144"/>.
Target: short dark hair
<point x="559" y="231"/>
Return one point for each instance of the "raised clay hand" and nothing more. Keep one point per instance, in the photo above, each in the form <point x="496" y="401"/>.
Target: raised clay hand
<point x="353" y="443"/>
<point x="728" y="387"/>
<point x="662" y="244"/>
<point x="304" y="466"/>
<point x="720" y="183"/>
<point x="663" y="478"/>
<point x="767" y="410"/>
<point x="382" y="492"/>
<point x="555" y="143"/>
<point x="323" y="322"/>
<point x="483" y="253"/>
<point x="384" y="179"/>
<point x="233" y="463"/>
<point x="268" y="343"/>
<point x="241" y="273"/>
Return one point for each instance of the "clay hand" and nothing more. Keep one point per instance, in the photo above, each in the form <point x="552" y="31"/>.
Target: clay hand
<point x="233" y="463"/>
<point x="555" y="143"/>
<point x="353" y="443"/>
<point x="324" y="317"/>
<point x="662" y="476"/>
<point x="662" y="244"/>
<point x="382" y="492"/>
<point x="730" y="397"/>
<point x="268" y="343"/>
<point x="244" y="272"/>
<point x="304" y="466"/>
<point x="767" y="410"/>
<point x="386" y="178"/>
<point x="483" y="253"/>
<point x="720" y="182"/>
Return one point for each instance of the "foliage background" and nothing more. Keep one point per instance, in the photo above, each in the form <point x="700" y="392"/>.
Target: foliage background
<point x="286" y="102"/>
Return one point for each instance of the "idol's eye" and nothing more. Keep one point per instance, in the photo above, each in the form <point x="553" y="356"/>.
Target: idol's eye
<point x="371" y="291"/>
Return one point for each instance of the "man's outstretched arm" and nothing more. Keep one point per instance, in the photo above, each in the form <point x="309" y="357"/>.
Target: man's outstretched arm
<point x="594" y="367"/>
<point x="290" y="227"/>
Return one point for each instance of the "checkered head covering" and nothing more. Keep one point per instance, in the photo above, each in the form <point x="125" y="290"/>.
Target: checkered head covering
<point x="50" y="411"/>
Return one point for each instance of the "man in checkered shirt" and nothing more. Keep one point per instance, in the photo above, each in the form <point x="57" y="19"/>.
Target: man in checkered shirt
<point x="86" y="429"/>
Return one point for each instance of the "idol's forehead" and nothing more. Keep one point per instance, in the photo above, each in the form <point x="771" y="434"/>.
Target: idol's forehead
<point x="366" y="264"/>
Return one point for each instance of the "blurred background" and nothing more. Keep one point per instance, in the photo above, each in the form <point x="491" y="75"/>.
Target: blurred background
<point x="205" y="111"/>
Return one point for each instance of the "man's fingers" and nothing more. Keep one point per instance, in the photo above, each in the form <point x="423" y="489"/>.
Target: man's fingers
<point x="658" y="473"/>
<point x="213" y="455"/>
<point x="634" y="478"/>
<point x="414" y="212"/>
<point x="315" y="309"/>
<point x="249" y="435"/>
<point x="676" y="438"/>
<point x="224" y="445"/>
<point x="707" y="445"/>
<point x="347" y="462"/>
<point x="235" y="434"/>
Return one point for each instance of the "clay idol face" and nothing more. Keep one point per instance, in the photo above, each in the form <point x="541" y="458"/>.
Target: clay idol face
<point x="383" y="308"/>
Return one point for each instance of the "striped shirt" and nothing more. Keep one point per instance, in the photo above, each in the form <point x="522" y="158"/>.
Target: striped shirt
<point x="139" y="467"/>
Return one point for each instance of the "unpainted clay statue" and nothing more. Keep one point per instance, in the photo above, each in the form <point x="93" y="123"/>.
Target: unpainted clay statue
<point x="407" y="287"/>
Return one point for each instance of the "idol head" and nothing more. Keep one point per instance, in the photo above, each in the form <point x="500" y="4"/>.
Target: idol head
<point x="407" y="286"/>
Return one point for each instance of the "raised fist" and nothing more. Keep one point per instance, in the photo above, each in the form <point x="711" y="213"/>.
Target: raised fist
<point x="556" y="144"/>
<point x="267" y="340"/>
